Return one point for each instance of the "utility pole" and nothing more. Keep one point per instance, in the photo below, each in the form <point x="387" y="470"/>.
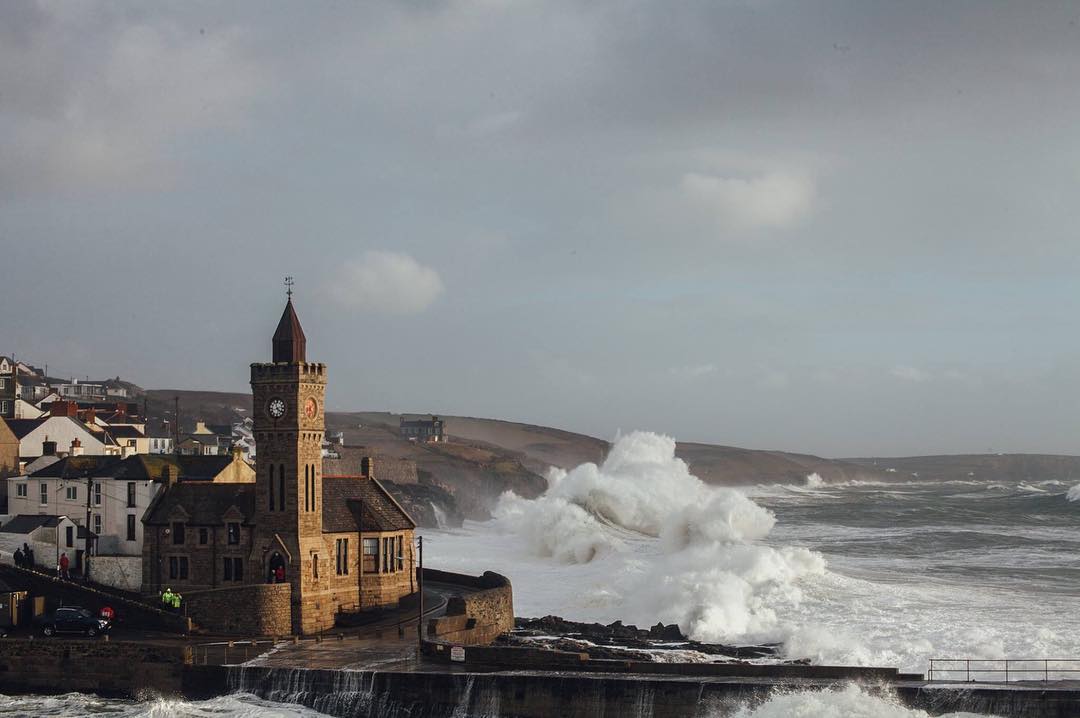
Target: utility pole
<point x="420" y="582"/>
<point x="176" y="424"/>
<point x="86" y="552"/>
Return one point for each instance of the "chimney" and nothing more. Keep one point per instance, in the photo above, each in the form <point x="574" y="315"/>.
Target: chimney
<point x="76" y="447"/>
<point x="237" y="452"/>
<point x="367" y="467"/>
<point x="48" y="448"/>
<point x="62" y="407"/>
<point x="167" y="477"/>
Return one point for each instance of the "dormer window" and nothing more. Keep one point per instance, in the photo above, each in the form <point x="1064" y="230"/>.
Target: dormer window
<point x="178" y="532"/>
<point x="233" y="532"/>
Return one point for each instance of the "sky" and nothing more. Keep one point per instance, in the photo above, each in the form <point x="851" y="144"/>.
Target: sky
<point x="844" y="228"/>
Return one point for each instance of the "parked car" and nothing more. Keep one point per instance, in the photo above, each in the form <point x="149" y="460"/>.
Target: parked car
<point x="71" y="619"/>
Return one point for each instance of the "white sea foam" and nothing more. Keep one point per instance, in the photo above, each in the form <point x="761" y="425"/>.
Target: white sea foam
<point x="711" y="578"/>
<point x="850" y="701"/>
<point x="814" y="481"/>
<point x="1074" y="493"/>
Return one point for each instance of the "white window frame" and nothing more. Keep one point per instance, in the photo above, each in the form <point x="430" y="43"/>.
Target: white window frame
<point x="43" y="497"/>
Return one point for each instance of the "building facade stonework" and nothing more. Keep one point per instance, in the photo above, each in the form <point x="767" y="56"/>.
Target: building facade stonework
<point x="341" y="543"/>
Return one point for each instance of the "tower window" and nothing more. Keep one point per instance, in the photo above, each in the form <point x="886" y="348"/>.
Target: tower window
<point x="271" y="487"/>
<point x="281" y="487"/>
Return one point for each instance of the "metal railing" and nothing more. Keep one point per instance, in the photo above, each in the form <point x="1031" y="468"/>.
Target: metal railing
<point x="225" y="653"/>
<point x="1004" y="670"/>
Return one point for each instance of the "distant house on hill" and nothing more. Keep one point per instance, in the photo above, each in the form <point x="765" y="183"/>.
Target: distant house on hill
<point x="422" y="428"/>
<point x="8" y="388"/>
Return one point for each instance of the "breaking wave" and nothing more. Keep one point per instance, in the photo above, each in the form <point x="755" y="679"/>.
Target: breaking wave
<point x="1074" y="493"/>
<point x="711" y="579"/>
<point x="850" y="701"/>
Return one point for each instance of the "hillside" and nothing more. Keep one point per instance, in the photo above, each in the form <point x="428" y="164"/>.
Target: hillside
<point x="995" y="467"/>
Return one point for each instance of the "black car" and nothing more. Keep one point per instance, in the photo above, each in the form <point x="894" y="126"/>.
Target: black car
<point x="71" y="619"/>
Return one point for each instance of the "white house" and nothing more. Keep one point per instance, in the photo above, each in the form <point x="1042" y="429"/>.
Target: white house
<point x="48" y="536"/>
<point x="60" y="431"/>
<point x="120" y="488"/>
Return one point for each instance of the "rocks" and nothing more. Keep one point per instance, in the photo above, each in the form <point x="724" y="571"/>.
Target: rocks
<point x="617" y="640"/>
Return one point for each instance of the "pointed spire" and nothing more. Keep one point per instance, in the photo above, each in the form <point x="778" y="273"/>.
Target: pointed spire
<point x="290" y="344"/>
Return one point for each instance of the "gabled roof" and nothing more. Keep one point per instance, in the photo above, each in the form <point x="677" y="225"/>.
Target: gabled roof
<point x="355" y="503"/>
<point x="289" y="342"/>
<point x="22" y="427"/>
<point x="141" y="467"/>
<point x="204" y="503"/>
<point x="25" y="523"/>
<point x="124" y="431"/>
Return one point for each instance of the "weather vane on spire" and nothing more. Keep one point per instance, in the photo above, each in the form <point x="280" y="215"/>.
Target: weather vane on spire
<point x="288" y="287"/>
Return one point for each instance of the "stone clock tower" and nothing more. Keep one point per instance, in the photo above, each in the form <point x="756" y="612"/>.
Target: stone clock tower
<point x="288" y="412"/>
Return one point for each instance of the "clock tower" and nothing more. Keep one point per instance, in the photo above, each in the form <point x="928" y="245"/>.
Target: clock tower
<point x="287" y="408"/>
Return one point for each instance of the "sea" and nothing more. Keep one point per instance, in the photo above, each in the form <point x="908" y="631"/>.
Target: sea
<point x="871" y="573"/>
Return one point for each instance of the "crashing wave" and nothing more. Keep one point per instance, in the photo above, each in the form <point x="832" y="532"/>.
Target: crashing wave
<point x="850" y="701"/>
<point x="1074" y="493"/>
<point x="712" y="579"/>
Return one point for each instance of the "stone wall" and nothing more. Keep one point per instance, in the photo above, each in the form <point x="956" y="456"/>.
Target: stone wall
<point x="130" y="613"/>
<point x="107" y="668"/>
<point x="122" y="572"/>
<point x="261" y="609"/>
<point x="475" y="617"/>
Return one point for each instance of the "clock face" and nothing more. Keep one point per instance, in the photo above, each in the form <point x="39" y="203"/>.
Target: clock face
<point x="276" y="408"/>
<point x="311" y="408"/>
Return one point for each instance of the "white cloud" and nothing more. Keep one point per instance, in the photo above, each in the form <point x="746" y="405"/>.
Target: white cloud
<point x="910" y="373"/>
<point x="385" y="283"/>
<point x="772" y="200"/>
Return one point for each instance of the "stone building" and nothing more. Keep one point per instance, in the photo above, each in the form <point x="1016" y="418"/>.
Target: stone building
<point x="342" y="541"/>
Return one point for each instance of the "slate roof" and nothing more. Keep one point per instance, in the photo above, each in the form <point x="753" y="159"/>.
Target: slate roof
<point x="22" y="427"/>
<point x="25" y="523"/>
<point x="142" y="467"/>
<point x="353" y="503"/>
<point x="124" y="432"/>
<point x="289" y="342"/>
<point x="204" y="504"/>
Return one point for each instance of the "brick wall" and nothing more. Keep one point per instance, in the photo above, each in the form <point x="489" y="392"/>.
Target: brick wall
<point x="261" y="609"/>
<point x="476" y="617"/>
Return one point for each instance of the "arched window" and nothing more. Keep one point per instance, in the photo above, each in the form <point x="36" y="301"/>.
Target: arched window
<point x="307" y="488"/>
<point x="271" y="487"/>
<point x="281" y="487"/>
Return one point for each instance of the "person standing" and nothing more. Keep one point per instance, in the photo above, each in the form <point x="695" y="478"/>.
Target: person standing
<point x="17" y="557"/>
<point x="28" y="556"/>
<point x="64" y="563"/>
<point x="279" y="574"/>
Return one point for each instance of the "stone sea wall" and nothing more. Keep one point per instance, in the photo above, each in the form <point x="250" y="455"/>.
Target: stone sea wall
<point x="477" y="617"/>
<point x="107" y="668"/>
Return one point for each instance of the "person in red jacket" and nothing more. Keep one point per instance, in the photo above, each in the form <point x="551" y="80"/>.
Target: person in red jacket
<point x="64" y="563"/>
<point x="279" y="574"/>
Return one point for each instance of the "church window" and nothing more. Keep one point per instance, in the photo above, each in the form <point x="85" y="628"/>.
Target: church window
<point x="178" y="567"/>
<point x="371" y="555"/>
<point x="281" y="487"/>
<point x="343" y="557"/>
<point x="178" y="532"/>
<point x="271" y="487"/>
<point x="233" y="530"/>
<point x="312" y="487"/>
<point x="307" y="488"/>
<point x="315" y="566"/>
<point x="233" y="569"/>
